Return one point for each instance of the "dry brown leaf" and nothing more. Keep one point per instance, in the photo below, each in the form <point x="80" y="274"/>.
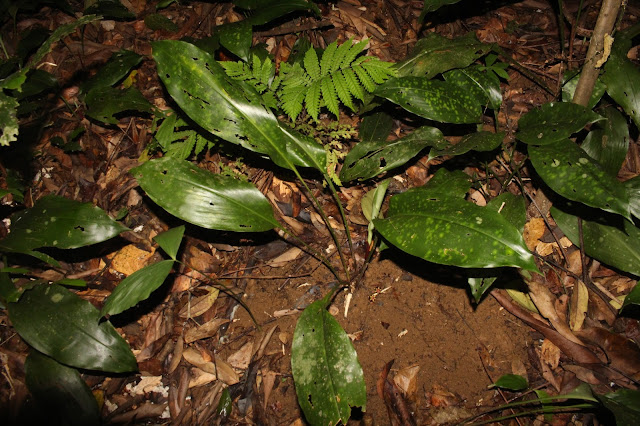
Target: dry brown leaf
<point x="268" y="380"/>
<point x="206" y="330"/>
<point x="285" y="257"/>
<point x="579" y="305"/>
<point x="199" y="305"/>
<point x="623" y="353"/>
<point x="407" y="380"/>
<point x="545" y="302"/>
<point x="199" y="378"/>
<point x="550" y="354"/>
<point x="584" y="374"/>
<point x="178" y="349"/>
<point x="545" y="249"/>
<point x="129" y="259"/>
<point x="242" y="357"/>
<point x="226" y="373"/>
<point x="574" y="262"/>
<point x="533" y="231"/>
<point x="195" y="357"/>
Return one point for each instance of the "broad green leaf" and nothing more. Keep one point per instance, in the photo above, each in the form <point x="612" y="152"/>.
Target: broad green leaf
<point x="554" y="122"/>
<point x="483" y="84"/>
<point x="136" y="287"/>
<point x="624" y="404"/>
<point x="371" y="204"/>
<point x="118" y="67"/>
<point x="609" y="144"/>
<point x="60" y="392"/>
<point x="512" y="382"/>
<point x="435" y="54"/>
<point x="570" y="172"/>
<point x="622" y="79"/>
<point x="326" y="372"/>
<point x="157" y="21"/>
<point x="8" y="119"/>
<point x="104" y="102"/>
<point x="268" y="10"/>
<point x="375" y="127"/>
<point x="170" y="240"/>
<point x="113" y="9"/>
<point x="8" y="291"/>
<point x="511" y="207"/>
<point x="479" y="141"/>
<point x="60" y="324"/>
<point x="569" y="88"/>
<point x="229" y="109"/>
<point x="480" y="285"/>
<point x="442" y="229"/>
<point x="59" y="222"/>
<point x="369" y="159"/>
<point x="454" y="184"/>
<point x="432" y="99"/>
<point x="633" y="190"/>
<point x="237" y="38"/>
<point x="203" y="198"/>
<point x="37" y="82"/>
<point x="433" y="5"/>
<point x="633" y="298"/>
<point x="608" y="238"/>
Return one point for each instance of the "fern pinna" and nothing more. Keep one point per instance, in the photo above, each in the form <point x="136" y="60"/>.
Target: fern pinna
<point x="339" y="76"/>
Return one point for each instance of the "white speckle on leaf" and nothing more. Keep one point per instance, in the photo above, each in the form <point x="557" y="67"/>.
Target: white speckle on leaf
<point x="583" y="160"/>
<point x="555" y="162"/>
<point x="56" y="298"/>
<point x="478" y="220"/>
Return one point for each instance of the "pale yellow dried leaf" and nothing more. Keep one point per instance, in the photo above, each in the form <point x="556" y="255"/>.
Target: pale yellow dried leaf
<point x="226" y="373"/>
<point x="242" y="357"/>
<point x="199" y="305"/>
<point x="194" y="357"/>
<point x="579" y="305"/>
<point x="550" y="354"/>
<point x="200" y="378"/>
<point x="533" y="231"/>
<point x="285" y="257"/>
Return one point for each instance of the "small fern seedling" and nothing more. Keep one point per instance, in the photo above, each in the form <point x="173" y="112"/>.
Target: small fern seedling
<point x="258" y="74"/>
<point x="339" y="76"/>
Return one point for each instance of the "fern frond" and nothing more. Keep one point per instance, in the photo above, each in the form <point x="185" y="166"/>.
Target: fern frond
<point x="341" y="54"/>
<point x="342" y="89"/>
<point x="312" y="100"/>
<point x="327" y="61"/>
<point x="353" y="84"/>
<point x="329" y="95"/>
<point x="379" y="71"/>
<point x="365" y="79"/>
<point x="311" y="64"/>
<point x="353" y="52"/>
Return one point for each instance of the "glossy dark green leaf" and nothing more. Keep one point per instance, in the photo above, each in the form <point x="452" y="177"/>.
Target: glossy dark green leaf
<point x="633" y="298"/>
<point x="512" y="382"/>
<point x="136" y="287"/>
<point x="439" y="228"/>
<point x="371" y="203"/>
<point x="8" y="119"/>
<point x="633" y="190"/>
<point x="237" y="38"/>
<point x="203" y="198"/>
<point x="8" y="291"/>
<point x="157" y="21"/>
<point x="170" y="241"/>
<point x="570" y="172"/>
<point x="435" y="54"/>
<point x="37" y="82"/>
<point x="624" y="404"/>
<point x="622" y="78"/>
<point x="608" y="238"/>
<point x="60" y="324"/>
<point x="118" y="67"/>
<point x="369" y="159"/>
<point x="454" y="184"/>
<point x="554" y="122"/>
<point x="433" y="5"/>
<point x="569" y="88"/>
<point x="609" y="144"/>
<point x="113" y="9"/>
<point x="104" y="102"/>
<point x="481" y="83"/>
<point x="511" y="207"/>
<point x="230" y="110"/>
<point x="479" y="141"/>
<point x="432" y="99"/>
<point x="375" y="127"/>
<point x="60" y="392"/>
<point x="480" y="285"/>
<point x="326" y="371"/>
<point x="59" y="222"/>
<point x="267" y="10"/>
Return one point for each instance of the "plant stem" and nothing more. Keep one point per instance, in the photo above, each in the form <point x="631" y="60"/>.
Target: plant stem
<point x="343" y="215"/>
<point x="595" y="53"/>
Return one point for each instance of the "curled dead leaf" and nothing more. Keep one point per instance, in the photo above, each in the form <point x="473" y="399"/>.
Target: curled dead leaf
<point x="199" y="305"/>
<point x="407" y="380"/>
<point x="206" y="330"/>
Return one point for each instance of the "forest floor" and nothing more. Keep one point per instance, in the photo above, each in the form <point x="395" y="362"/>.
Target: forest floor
<point x="418" y="315"/>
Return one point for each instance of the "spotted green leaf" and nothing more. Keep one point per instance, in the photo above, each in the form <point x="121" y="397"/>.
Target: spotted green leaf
<point x="8" y="119"/>
<point x="375" y="127"/>
<point x="156" y="21"/>
<point x="440" y="228"/>
<point x="570" y="172"/>
<point x="633" y="298"/>
<point x="237" y="38"/>
<point x="570" y="84"/>
<point x="609" y="143"/>
<point x="554" y="122"/>
<point x="432" y="99"/>
<point x="608" y="238"/>
<point x="633" y="190"/>
<point x="113" y="9"/>
<point x="59" y="222"/>
<point x="203" y="198"/>
<point x="479" y="141"/>
<point x="483" y="84"/>
<point x="435" y="54"/>
<point x="230" y="109"/>
<point x="60" y="391"/>
<point x="60" y="324"/>
<point x="103" y="103"/>
<point x="622" y="78"/>
<point x="369" y="159"/>
<point x="454" y="184"/>
<point x="326" y="372"/>
<point x="136" y="287"/>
